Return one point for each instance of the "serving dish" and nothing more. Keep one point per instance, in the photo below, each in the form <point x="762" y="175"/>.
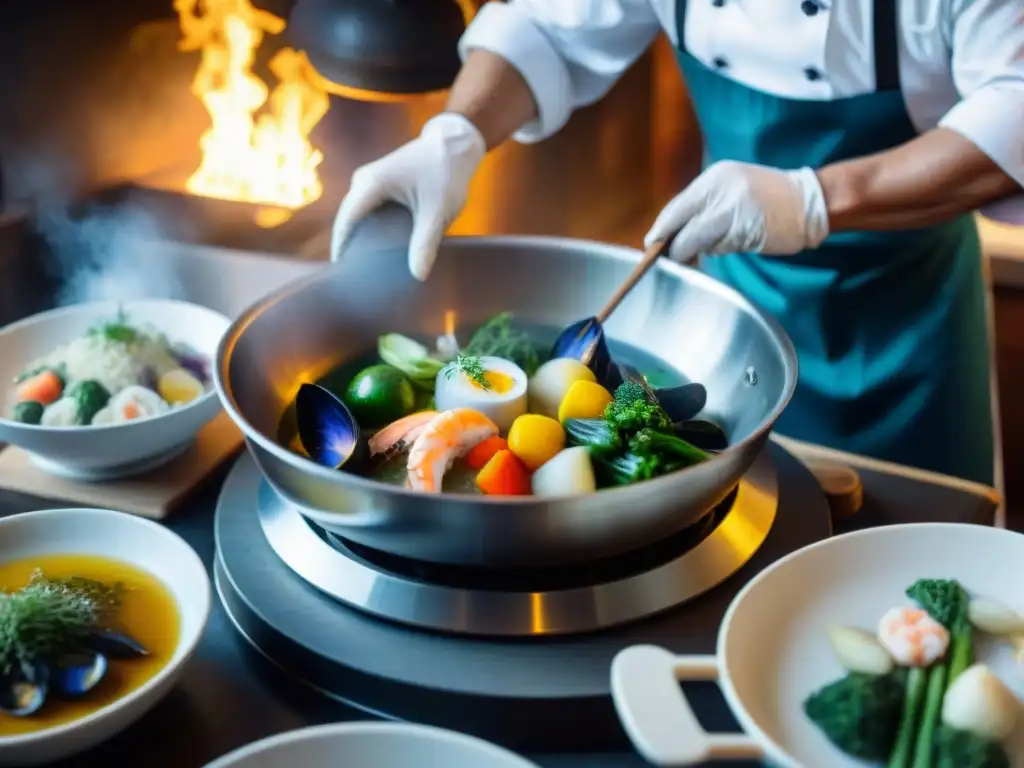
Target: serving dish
<point x="141" y="545"/>
<point x="700" y="328"/>
<point x="370" y="745"/>
<point x="773" y="651"/>
<point x="113" y="450"/>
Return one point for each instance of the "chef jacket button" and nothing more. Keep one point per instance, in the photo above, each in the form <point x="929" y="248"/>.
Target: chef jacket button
<point x="809" y="7"/>
<point x="719" y="62"/>
<point x="812" y="74"/>
<point x="718" y="3"/>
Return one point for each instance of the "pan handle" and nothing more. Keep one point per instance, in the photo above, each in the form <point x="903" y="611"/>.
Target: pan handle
<point x="656" y="715"/>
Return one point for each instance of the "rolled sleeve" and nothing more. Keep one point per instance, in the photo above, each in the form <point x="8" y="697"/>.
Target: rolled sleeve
<point x="570" y="52"/>
<point x="988" y="69"/>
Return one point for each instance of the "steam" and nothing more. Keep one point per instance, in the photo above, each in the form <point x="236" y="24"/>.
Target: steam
<point x="105" y="254"/>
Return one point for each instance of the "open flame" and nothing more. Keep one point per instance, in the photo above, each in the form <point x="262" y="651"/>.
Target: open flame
<point x="265" y="159"/>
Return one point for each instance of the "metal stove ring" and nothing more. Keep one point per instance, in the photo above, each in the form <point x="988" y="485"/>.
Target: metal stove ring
<point x="358" y="584"/>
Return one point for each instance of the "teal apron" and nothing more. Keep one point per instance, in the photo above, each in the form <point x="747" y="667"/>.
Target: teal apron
<point x="889" y="327"/>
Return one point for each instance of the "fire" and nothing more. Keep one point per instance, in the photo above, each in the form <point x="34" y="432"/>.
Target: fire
<point x="261" y="158"/>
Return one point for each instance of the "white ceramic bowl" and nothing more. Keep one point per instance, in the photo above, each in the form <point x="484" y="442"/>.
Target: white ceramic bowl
<point x="143" y="544"/>
<point x="107" y="452"/>
<point x="370" y="745"/>
<point x="773" y="648"/>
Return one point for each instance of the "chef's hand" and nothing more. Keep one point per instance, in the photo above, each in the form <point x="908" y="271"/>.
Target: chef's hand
<point x="429" y="176"/>
<point x="739" y="207"/>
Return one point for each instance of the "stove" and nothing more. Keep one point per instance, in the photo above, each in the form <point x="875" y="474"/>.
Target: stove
<point x="521" y="658"/>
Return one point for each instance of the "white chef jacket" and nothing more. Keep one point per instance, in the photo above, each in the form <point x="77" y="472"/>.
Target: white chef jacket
<point x="961" y="61"/>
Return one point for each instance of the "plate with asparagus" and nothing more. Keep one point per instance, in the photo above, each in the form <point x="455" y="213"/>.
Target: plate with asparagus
<point x="900" y="647"/>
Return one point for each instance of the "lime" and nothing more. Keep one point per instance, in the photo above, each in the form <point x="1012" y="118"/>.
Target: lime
<point x="379" y="395"/>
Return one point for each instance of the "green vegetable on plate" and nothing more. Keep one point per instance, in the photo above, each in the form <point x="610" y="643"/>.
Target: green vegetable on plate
<point x="960" y="749"/>
<point x="633" y="410"/>
<point x="860" y="714"/>
<point x="595" y="434"/>
<point x="27" y="412"/>
<point x="90" y="398"/>
<point x="625" y="469"/>
<point x="669" y="448"/>
<point x="411" y="358"/>
<point x="379" y="395"/>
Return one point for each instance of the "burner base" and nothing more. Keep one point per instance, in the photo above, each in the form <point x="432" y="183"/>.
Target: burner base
<point x="530" y="694"/>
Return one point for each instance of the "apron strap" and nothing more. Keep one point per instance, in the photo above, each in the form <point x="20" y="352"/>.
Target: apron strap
<point x="886" y="41"/>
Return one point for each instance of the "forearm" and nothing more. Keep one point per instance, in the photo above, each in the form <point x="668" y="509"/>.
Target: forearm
<point x="493" y="96"/>
<point x="934" y="178"/>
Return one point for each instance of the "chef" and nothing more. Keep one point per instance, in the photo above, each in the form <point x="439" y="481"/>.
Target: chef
<point x="847" y="143"/>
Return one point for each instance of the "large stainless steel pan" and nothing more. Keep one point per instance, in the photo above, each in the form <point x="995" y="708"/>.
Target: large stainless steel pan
<point x="705" y="330"/>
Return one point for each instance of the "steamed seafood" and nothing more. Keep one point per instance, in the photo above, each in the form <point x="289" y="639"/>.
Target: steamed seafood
<point x="117" y="372"/>
<point x="496" y="418"/>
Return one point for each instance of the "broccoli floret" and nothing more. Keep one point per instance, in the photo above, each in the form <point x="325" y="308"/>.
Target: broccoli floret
<point x="859" y="713"/>
<point x="943" y="599"/>
<point x="673" y="450"/>
<point x="633" y="409"/>
<point x="959" y="749"/>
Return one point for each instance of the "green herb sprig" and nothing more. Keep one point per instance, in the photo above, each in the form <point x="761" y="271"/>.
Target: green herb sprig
<point x="499" y="337"/>
<point x="119" y="329"/>
<point x="471" y="367"/>
<point x="48" y="617"/>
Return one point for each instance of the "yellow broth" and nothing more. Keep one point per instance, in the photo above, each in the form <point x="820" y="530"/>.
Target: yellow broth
<point x="148" y="614"/>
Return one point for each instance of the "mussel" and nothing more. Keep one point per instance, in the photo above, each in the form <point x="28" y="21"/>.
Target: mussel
<point x="23" y="689"/>
<point x="681" y="402"/>
<point x="703" y="434"/>
<point x="585" y="341"/>
<point x="75" y="674"/>
<point x="114" y="645"/>
<point x="328" y="430"/>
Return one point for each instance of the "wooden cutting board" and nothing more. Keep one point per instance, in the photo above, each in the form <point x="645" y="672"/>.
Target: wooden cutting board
<point x="154" y="494"/>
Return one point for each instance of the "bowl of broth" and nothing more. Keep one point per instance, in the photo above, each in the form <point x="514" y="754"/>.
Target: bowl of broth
<point x="100" y="611"/>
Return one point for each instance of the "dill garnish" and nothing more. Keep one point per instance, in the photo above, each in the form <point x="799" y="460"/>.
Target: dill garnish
<point x="118" y="329"/>
<point x="470" y="367"/>
<point x="47" y="617"/>
<point x="498" y="337"/>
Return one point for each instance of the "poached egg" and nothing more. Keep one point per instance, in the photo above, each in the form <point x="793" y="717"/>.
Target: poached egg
<point x="491" y="385"/>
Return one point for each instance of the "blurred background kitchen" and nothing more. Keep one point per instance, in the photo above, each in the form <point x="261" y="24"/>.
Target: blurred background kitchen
<point x="206" y="122"/>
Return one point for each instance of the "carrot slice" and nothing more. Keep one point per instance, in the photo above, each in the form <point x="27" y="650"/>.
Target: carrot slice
<point x="484" y="451"/>
<point x="45" y="388"/>
<point x="504" y="475"/>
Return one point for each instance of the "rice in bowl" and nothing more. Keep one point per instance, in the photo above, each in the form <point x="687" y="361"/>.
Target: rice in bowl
<point x="117" y="372"/>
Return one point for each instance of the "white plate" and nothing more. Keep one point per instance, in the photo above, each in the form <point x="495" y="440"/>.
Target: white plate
<point x="145" y="545"/>
<point x="773" y="648"/>
<point x="371" y="745"/>
<point x="108" y="452"/>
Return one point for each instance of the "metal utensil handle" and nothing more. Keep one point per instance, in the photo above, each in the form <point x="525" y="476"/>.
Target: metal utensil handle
<point x="650" y="256"/>
<point x="656" y="715"/>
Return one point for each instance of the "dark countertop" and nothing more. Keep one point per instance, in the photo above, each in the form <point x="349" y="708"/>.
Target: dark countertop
<point x="229" y="697"/>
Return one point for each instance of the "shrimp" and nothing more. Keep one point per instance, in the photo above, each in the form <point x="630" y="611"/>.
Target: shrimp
<point x="399" y="435"/>
<point x="448" y="436"/>
<point x="913" y="637"/>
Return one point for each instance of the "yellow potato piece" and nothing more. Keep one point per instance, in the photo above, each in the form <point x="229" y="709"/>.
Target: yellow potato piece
<point x="584" y="400"/>
<point x="179" y="386"/>
<point x="535" y="439"/>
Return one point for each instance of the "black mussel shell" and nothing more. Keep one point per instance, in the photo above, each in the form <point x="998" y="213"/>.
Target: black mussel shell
<point x="585" y="341"/>
<point x="703" y="434"/>
<point x="23" y="690"/>
<point x="75" y="674"/>
<point x="327" y="428"/>
<point x="114" y="645"/>
<point x="681" y="402"/>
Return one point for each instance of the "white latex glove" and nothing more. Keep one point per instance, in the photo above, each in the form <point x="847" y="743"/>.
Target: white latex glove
<point x="740" y="207"/>
<point x="429" y="176"/>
